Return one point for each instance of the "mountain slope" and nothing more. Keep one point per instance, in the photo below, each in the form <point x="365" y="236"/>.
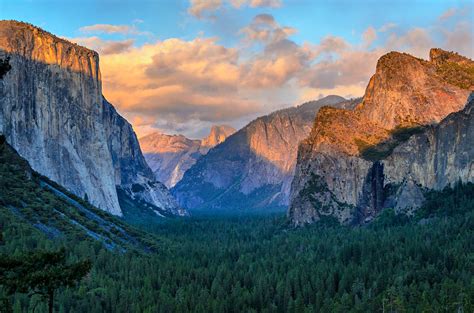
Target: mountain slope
<point x="252" y="170"/>
<point x="343" y="167"/>
<point x="53" y="113"/>
<point x="43" y="207"/>
<point x="170" y="156"/>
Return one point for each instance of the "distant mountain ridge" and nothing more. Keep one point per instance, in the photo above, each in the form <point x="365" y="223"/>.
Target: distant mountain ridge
<point x="390" y="148"/>
<point x="170" y="156"/>
<point x="252" y="170"/>
<point x="53" y="113"/>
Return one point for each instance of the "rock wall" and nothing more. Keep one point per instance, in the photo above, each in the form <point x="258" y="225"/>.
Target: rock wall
<point x="53" y="113"/>
<point x="438" y="157"/>
<point x="353" y="163"/>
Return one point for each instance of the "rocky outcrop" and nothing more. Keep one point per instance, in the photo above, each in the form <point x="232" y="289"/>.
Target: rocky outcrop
<point x="351" y="165"/>
<point x="170" y="156"/>
<point x="438" y="157"/>
<point x="218" y="134"/>
<point x="406" y="91"/>
<point x="53" y="113"/>
<point x="253" y="168"/>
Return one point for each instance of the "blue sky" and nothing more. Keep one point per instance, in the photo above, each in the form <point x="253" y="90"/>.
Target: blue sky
<point x="169" y="18"/>
<point x="201" y="62"/>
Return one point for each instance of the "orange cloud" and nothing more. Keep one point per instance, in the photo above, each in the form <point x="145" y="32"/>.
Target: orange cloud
<point x="185" y="86"/>
<point x="178" y="81"/>
<point x="104" y="46"/>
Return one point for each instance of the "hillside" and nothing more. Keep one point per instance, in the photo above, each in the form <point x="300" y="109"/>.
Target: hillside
<point x="37" y="206"/>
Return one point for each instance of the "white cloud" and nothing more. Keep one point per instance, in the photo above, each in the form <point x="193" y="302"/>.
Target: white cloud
<point x="109" y="29"/>
<point x="202" y="8"/>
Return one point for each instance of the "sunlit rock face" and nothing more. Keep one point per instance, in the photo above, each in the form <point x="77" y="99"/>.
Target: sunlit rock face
<point x="218" y="134"/>
<point x="170" y="156"/>
<point x="252" y="169"/>
<point x="407" y="91"/>
<point x="355" y="163"/>
<point x="53" y="113"/>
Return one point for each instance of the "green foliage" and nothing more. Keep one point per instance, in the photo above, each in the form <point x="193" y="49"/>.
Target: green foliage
<point x="245" y="264"/>
<point x="28" y="196"/>
<point x="461" y="75"/>
<point x="258" y="264"/>
<point x="382" y="150"/>
<point x="448" y="202"/>
<point x="40" y="273"/>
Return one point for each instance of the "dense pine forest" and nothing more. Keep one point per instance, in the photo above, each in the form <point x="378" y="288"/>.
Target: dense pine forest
<point x="227" y="264"/>
<point x="262" y="264"/>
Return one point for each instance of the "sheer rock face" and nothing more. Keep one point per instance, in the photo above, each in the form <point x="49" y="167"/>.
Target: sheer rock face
<point x="253" y="168"/>
<point x="218" y="134"/>
<point x="407" y="91"/>
<point x="440" y="156"/>
<point x="170" y="156"/>
<point x="53" y="113"/>
<point x="350" y="166"/>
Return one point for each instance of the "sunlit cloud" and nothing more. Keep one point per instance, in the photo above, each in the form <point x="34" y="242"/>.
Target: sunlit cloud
<point x="104" y="47"/>
<point x="184" y="86"/>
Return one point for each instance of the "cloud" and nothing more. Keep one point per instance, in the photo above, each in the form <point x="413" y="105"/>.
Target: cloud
<point x="416" y="41"/>
<point x="280" y="58"/>
<point x="201" y="64"/>
<point x="184" y="86"/>
<point x="256" y="3"/>
<point x="343" y="68"/>
<point x="265" y="29"/>
<point x="178" y="81"/>
<point x="386" y="27"/>
<point x="109" y="29"/>
<point x="202" y="8"/>
<point x="198" y="7"/>
<point x="448" y="14"/>
<point x="351" y="67"/>
<point x="368" y="36"/>
<point x="461" y="39"/>
<point x="104" y="47"/>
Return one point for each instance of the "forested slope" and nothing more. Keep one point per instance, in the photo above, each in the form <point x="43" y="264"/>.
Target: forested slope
<point x="259" y="264"/>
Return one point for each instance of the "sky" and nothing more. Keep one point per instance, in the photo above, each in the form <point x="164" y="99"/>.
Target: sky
<point x="181" y="66"/>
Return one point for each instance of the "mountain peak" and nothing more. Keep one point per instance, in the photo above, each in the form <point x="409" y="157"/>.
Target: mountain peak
<point x="218" y="134"/>
<point x="407" y="91"/>
<point x="439" y="56"/>
<point x="17" y="28"/>
<point x="34" y="43"/>
<point x="158" y="142"/>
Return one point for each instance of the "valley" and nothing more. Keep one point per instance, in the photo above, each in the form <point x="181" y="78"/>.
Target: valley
<point x="211" y="158"/>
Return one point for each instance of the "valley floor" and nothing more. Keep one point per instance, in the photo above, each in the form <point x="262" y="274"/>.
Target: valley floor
<point x="261" y="264"/>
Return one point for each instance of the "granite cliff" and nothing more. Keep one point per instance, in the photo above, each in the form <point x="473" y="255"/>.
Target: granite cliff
<point x="392" y="146"/>
<point x="170" y="156"/>
<point x="252" y="169"/>
<point x="53" y="113"/>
